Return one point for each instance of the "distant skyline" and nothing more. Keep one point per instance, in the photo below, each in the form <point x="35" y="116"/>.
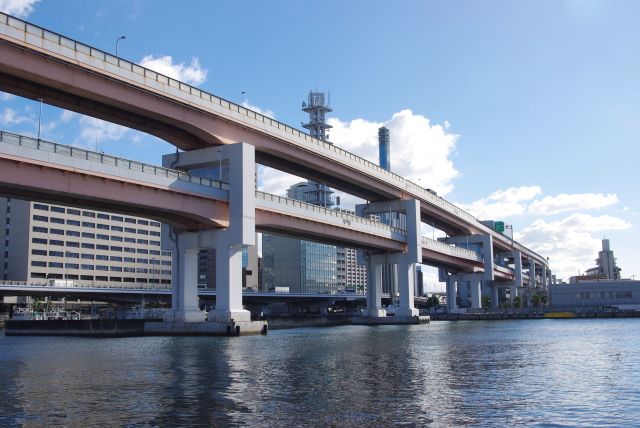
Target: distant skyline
<point x="523" y="111"/>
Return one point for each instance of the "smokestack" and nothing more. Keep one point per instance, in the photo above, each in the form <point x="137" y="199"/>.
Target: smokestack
<point x="384" y="142"/>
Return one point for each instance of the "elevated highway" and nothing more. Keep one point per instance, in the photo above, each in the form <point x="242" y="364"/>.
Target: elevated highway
<point x="38" y="63"/>
<point x="55" y="173"/>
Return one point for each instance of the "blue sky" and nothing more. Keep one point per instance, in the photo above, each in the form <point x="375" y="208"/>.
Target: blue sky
<point x="522" y="111"/>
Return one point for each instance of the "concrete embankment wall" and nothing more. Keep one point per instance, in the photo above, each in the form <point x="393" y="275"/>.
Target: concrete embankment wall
<point x="102" y="328"/>
<point x="547" y="314"/>
<point x="308" y="321"/>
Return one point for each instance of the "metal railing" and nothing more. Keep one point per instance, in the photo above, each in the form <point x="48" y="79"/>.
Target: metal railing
<point x="78" y="153"/>
<point x="100" y="285"/>
<point x="451" y="250"/>
<point x="346" y="219"/>
<point x="98" y="59"/>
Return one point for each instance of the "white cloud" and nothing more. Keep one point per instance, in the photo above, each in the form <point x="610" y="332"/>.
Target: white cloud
<point x="10" y="117"/>
<point x="17" y="8"/>
<point x="419" y="150"/>
<point x="503" y="203"/>
<point x="68" y="115"/>
<point x="277" y="182"/>
<point x="268" y="113"/>
<point x="6" y="97"/>
<point x="98" y="131"/>
<point x="575" y="202"/>
<point x="569" y="242"/>
<point x="192" y="74"/>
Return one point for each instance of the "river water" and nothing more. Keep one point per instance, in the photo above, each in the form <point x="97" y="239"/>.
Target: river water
<point x="493" y="373"/>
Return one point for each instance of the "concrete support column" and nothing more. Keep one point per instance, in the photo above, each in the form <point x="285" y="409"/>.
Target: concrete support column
<point x="476" y="292"/>
<point x="517" y="262"/>
<point x="184" y="300"/>
<point x="495" y="297"/>
<point x="545" y="284"/>
<point x="229" y="284"/>
<point x="406" y="280"/>
<point x="374" y="287"/>
<point x="532" y="273"/>
<point x="452" y="293"/>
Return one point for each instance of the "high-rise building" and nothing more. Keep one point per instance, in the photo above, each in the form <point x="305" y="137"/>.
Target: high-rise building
<point x="50" y="241"/>
<point x="606" y="263"/>
<point x="384" y="143"/>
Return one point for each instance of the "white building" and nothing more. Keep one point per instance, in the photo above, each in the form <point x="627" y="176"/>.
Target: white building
<point x="45" y="241"/>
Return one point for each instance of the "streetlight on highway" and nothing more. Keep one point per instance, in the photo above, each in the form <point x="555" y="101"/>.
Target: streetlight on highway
<point x="119" y="38"/>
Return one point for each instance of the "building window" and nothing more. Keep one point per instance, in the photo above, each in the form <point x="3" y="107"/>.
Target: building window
<point x="41" y="207"/>
<point x="73" y="211"/>
<point x="56" y="231"/>
<point x="88" y="235"/>
<point x="143" y="232"/>
<point x="56" y="254"/>
<point x="40" y="275"/>
<point x="116" y="248"/>
<point x="33" y="241"/>
<point x="87" y="267"/>
<point x="117" y="228"/>
<point x="116" y="218"/>
<point x="102" y="278"/>
<point x="101" y="267"/>
<point x="56" y="242"/>
<point x="130" y="220"/>
<point x="38" y="252"/>
<point x="72" y="266"/>
<point x="73" y="233"/>
<point x="154" y="223"/>
<point x="87" y="245"/>
<point x="130" y="240"/>
<point x="103" y="226"/>
<point x="103" y="216"/>
<point x="57" y="209"/>
<point x="115" y="258"/>
<point x="72" y="255"/>
<point x="129" y="230"/>
<point x="88" y="256"/>
<point x="116" y="238"/>
<point x="88" y="224"/>
<point x="143" y="241"/>
<point x="115" y="268"/>
<point x="55" y="265"/>
<point x="40" y="229"/>
<point x="73" y="222"/>
<point x="102" y="257"/>
<point x="88" y="214"/>
<point x="40" y="218"/>
<point x="37" y="263"/>
<point x="103" y="237"/>
<point x="73" y="244"/>
<point x="57" y="220"/>
<point x="143" y="222"/>
<point x="129" y="250"/>
<point x="102" y="247"/>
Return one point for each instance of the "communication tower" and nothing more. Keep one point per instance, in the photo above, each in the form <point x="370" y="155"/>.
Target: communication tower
<point x="317" y="110"/>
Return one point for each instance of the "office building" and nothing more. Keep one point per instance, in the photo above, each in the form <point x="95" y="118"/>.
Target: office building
<point x="45" y="242"/>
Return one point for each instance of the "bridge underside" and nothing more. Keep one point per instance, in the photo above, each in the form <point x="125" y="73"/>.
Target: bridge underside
<point x="36" y="75"/>
<point x="27" y="179"/>
<point x="300" y="228"/>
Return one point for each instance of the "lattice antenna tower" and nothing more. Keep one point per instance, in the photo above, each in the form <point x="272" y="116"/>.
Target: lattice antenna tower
<point x="317" y="109"/>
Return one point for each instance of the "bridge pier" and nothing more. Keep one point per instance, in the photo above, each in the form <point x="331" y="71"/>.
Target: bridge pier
<point x="374" y="287"/>
<point x="227" y="243"/>
<point x="403" y="265"/>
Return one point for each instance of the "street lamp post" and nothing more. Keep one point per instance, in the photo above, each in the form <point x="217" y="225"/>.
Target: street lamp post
<point x="39" y="118"/>
<point x="119" y="38"/>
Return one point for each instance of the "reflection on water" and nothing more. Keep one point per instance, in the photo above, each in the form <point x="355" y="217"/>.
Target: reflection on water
<point x="502" y="373"/>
